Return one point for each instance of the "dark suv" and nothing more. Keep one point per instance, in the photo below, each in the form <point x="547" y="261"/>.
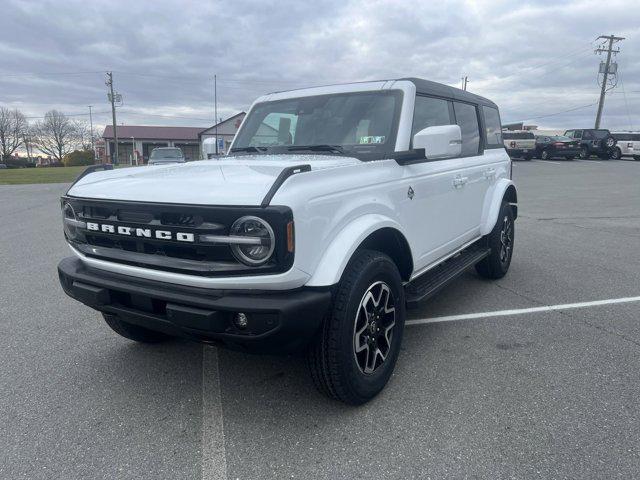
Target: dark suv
<point x="593" y="141"/>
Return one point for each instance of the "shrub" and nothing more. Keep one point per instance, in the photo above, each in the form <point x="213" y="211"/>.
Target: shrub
<point x="16" y="162"/>
<point x="78" y="157"/>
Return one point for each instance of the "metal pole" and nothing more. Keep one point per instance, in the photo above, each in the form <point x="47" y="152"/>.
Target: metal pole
<point x="605" y="74"/>
<point x="93" y="147"/>
<point x="133" y="151"/>
<point x="215" y="108"/>
<point x="113" y="115"/>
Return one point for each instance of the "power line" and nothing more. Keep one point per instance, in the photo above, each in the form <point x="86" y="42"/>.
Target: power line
<point x="557" y="113"/>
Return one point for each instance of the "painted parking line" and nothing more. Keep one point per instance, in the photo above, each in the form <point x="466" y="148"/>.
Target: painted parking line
<point x="546" y="161"/>
<point x="521" y="311"/>
<point x="214" y="460"/>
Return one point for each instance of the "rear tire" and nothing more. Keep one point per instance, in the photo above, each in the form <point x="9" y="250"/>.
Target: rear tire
<point x="133" y="332"/>
<point x="616" y="154"/>
<point x="500" y="240"/>
<point x="358" y="344"/>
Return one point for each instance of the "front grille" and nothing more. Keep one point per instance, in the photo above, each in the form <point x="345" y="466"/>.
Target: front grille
<point x="195" y="257"/>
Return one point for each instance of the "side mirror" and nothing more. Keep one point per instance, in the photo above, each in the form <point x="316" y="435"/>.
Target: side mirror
<point x="443" y="141"/>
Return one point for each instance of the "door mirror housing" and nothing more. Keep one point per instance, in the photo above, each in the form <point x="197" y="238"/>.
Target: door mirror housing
<point x="442" y="141"/>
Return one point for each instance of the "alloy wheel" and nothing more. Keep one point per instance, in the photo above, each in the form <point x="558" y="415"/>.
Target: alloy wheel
<point x="506" y="240"/>
<point x="373" y="327"/>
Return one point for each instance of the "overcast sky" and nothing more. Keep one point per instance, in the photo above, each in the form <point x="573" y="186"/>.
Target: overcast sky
<point x="534" y="58"/>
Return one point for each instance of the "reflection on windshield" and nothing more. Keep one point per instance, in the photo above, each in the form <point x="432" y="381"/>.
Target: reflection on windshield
<point x="346" y="123"/>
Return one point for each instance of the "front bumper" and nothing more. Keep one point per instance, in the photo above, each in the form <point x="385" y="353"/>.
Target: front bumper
<point x="278" y="321"/>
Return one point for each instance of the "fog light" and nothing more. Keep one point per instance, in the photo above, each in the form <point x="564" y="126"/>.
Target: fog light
<point x="241" y="321"/>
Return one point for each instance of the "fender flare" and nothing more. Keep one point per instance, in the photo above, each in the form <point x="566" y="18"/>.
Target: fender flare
<point x="336" y="256"/>
<point x="492" y="202"/>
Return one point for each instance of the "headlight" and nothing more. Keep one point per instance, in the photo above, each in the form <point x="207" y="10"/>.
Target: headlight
<point x="70" y="221"/>
<point x="253" y="254"/>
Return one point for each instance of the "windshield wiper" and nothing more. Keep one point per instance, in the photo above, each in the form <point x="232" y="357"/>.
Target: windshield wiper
<point x="317" y="148"/>
<point x="249" y="149"/>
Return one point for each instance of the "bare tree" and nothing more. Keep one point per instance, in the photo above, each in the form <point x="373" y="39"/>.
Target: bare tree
<point x="13" y="125"/>
<point x="83" y="135"/>
<point x="56" y="135"/>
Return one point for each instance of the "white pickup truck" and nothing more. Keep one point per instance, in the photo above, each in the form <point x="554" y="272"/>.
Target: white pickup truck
<point x="337" y="208"/>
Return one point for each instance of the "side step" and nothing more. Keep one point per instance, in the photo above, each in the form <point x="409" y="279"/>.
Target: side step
<point x="433" y="280"/>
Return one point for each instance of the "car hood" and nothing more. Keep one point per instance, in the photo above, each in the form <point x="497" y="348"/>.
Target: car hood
<point x="243" y="180"/>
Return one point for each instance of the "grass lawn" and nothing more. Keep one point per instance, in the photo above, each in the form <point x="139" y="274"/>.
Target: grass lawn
<point x="21" y="176"/>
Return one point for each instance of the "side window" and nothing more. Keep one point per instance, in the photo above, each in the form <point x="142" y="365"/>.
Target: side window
<point x="578" y="134"/>
<point x="492" y="127"/>
<point x="569" y="133"/>
<point x="430" y="112"/>
<point x="467" y="119"/>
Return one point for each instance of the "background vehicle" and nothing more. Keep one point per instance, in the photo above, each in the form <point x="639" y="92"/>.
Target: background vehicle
<point x="627" y="144"/>
<point x="519" y="144"/>
<point x="338" y="208"/>
<point x="593" y="142"/>
<point x="548" y="147"/>
<point x="164" y="155"/>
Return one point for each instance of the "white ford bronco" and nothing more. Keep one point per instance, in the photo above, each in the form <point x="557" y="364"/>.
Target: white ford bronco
<point x="337" y="208"/>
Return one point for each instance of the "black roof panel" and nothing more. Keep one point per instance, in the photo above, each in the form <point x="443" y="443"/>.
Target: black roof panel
<point x="427" y="87"/>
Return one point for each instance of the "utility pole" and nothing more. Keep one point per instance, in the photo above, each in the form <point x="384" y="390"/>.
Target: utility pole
<point x="112" y="98"/>
<point x="215" y="108"/>
<point x="465" y="80"/>
<point x="93" y="147"/>
<point x="609" y="49"/>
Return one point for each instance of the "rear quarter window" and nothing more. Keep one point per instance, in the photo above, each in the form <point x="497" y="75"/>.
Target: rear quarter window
<point x="492" y="126"/>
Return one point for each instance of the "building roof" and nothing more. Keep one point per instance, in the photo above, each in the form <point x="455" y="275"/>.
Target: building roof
<point x="144" y="132"/>
<point x="237" y="117"/>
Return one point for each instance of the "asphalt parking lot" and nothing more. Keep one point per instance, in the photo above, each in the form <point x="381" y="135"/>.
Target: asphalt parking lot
<point x="552" y="394"/>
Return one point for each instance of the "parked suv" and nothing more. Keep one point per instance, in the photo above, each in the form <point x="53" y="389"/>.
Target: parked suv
<point x="598" y="142"/>
<point x="553" y="146"/>
<point x="337" y="209"/>
<point x="627" y="144"/>
<point x="165" y="155"/>
<point x="520" y="144"/>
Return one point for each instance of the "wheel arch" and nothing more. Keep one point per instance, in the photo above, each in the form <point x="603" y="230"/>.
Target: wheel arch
<point x="504" y="190"/>
<point x="374" y="232"/>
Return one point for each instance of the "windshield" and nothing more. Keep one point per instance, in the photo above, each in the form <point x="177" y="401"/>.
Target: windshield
<point x="561" y="138"/>
<point x="356" y="123"/>
<point x="166" y="154"/>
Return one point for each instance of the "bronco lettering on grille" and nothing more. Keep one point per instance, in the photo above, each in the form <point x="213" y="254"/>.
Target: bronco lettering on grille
<point x="141" y="232"/>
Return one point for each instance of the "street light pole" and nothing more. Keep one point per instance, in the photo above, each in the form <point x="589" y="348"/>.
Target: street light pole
<point x="93" y="147"/>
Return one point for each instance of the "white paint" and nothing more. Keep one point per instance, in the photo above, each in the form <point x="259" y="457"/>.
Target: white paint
<point x="214" y="460"/>
<point x="520" y="311"/>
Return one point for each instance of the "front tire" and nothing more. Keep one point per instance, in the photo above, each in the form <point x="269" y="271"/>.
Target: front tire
<point x="500" y="240"/>
<point x="133" y="332"/>
<point x="584" y="153"/>
<point x="545" y="155"/>
<point x="358" y="344"/>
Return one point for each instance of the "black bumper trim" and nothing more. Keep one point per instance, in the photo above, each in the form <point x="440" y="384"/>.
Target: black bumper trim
<point x="279" y="321"/>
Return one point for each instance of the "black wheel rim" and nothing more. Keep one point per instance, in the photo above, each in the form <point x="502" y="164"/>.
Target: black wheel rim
<point x="506" y="240"/>
<point x="545" y="155"/>
<point x="373" y="327"/>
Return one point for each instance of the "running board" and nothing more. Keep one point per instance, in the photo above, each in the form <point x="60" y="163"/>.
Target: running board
<point x="427" y="284"/>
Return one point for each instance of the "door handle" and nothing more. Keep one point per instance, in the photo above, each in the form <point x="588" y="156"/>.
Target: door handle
<point x="489" y="173"/>
<point x="459" y="182"/>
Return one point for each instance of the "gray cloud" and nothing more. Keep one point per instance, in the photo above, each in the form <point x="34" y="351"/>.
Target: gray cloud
<point x="532" y="58"/>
